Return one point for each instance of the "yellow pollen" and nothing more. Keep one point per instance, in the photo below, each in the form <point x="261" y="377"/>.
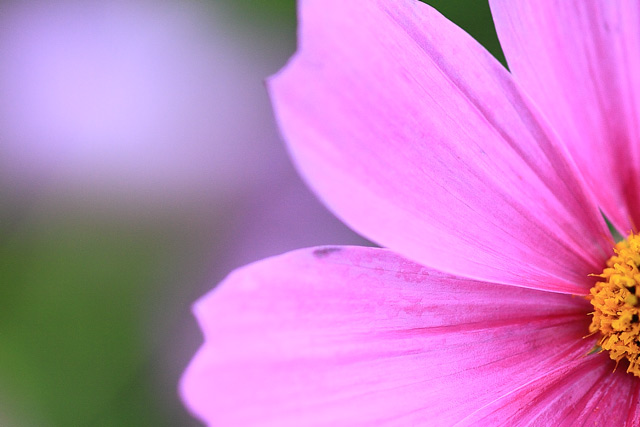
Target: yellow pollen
<point x="615" y="301"/>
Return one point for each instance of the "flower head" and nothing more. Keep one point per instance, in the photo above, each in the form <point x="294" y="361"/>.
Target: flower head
<point x="487" y="188"/>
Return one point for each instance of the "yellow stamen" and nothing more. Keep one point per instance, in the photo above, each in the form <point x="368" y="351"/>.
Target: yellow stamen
<point x="615" y="301"/>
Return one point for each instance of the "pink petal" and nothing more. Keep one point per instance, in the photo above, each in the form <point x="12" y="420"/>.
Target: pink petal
<point x="418" y="139"/>
<point x="346" y="335"/>
<point x="585" y="391"/>
<point x="580" y="61"/>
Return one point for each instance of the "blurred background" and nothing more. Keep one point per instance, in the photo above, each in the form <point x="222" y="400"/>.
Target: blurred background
<point x="139" y="164"/>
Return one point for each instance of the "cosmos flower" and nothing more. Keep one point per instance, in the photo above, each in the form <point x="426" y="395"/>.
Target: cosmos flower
<point x="500" y="299"/>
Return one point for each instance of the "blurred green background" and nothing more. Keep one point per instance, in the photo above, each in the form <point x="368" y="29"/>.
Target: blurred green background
<point x="95" y="323"/>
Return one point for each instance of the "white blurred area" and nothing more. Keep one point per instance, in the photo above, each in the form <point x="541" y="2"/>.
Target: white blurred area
<point x="131" y="105"/>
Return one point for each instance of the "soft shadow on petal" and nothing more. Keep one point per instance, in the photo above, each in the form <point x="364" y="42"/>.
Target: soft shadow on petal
<point x="580" y="62"/>
<point x="418" y="139"/>
<point x="585" y="391"/>
<point x="347" y="335"/>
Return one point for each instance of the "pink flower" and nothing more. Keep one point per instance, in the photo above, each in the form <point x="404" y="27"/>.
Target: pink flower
<point x="486" y="186"/>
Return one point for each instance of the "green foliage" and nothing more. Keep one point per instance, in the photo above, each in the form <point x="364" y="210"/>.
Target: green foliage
<point x="474" y="16"/>
<point x="71" y="344"/>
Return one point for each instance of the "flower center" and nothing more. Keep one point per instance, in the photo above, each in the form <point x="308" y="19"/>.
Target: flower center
<point x="615" y="300"/>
